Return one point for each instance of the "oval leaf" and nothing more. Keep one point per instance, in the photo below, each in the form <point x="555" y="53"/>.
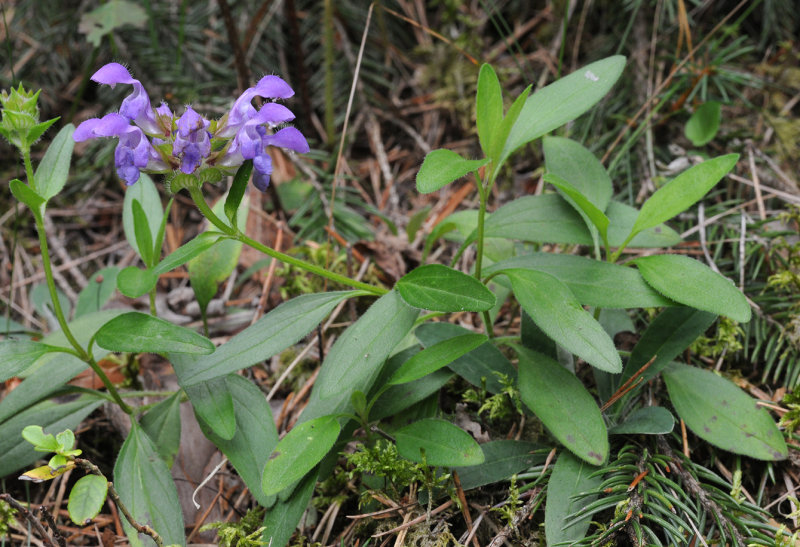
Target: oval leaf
<point x="573" y="162"/>
<point x="133" y="282"/>
<point x="704" y="123"/>
<point x="650" y="420"/>
<point x="502" y="459"/>
<point x="482" y="367"/>
<point x="139" y="332"/>
<point x="144" y="191"/>
<point x="722" y="414"/>
<point x="593" y="282"/>
<point x="17" y="355"/>
<point x="438" y="288"/>
<point x="489" y="107"/>
<point x="563" y="101"/>
<point x="298" y="452"/>
<point x="435" y="357"/>
<point x="571" y="477"/>
<point x="356" y="359"/>
<point x="87" y="498"/>
<point x="694" y="284"/>
<point x="145" y="486"/>
<point x="598" y="219"/>
<point x="682" y="192"/>
<point x="273" y="333"/>
<point x="442" y="443"/>
<point x="558" y="313"/>
<point x="559" y="399"/>
<point x="51" y="174"/>
<point x="213" y="404"/>
<point x="441" y="167"/>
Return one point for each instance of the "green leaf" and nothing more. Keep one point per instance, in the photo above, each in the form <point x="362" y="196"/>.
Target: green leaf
<point x="97" y="292"/>
<point x="133" y="282"/>
<point x="110" y="16"/>
<point x="649" y="420"/>
<point x="255" y="437"/>
<point x="27" y="195"/>
<point x="438" y="288"/>
<point x="441" y="167"/>
<point x="400" y="397"/>
<point x="583" y="205"/>
<point x="41" y="442"/>
<point x="501" y="133"/>
<point x="53" y="416"/>
<point x="573" y="162"/>
<point x="438" y="443"/>
<point x="298" y="453"/>
<point x="17" y="355"/>
<point x="187" y="251"/>
<point x="138" y="332"/>
<point x="435" y="357"/>
<point x="145" y="486"/>
<point x="237" y="190"/>
<point x="546" y="218"/>
<point x="52" y="172"/>
<point x="622" y="218"/>
<point x="722" y="414"/>
<point x="162" y="423"/>
<point x="502" y="459"/>
<point x="559" y="399"/>
<point x="694" y="284"/>
<point x="83" y="329"/>
<point x="273" y="333"/>
<point x="87" y="498"/>
<point x="213" y="403"/>
<point x="593" y="282"/>
<point x="683" y="191"/>
<point x="212" y="266"/>
<point x="563" y="101"/>
<point x="489" y="107"/>
<point x="558" y="313"/>
<point x="667" y="336"/>
<point x="570" y="478"/>
<point x="144" y="191"/>
<point x="355" y="360"/>
<point x="704" y="123"/>
<point x="141" y="230"/>
<point x="57" y="370"/>
<point x="480" y="367"/>
<point x="281" y="519"/>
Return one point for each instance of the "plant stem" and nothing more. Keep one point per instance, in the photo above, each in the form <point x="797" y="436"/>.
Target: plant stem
<point x="199" y="200"/>
<point x="483" y="191"/>
<point x="38" y="215"/>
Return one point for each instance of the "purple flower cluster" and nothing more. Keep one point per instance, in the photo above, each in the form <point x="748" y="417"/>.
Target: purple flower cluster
<point x="152" y="139"/>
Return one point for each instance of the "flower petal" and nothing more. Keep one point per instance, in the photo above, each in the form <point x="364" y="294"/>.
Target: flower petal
<point x="273" y="87"/>
<point x="113" y="74"/>
<point x="273" y="113"/>
<point x="290" y="138"/>
<point x="110" y="125"/>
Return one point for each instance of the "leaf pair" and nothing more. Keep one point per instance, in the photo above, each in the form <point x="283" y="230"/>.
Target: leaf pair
<point x="528" y="118"/>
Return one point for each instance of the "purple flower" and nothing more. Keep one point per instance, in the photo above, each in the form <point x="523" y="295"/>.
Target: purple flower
<point x="271" y="87"/>
<point x="136" y="106"/>
<point x="192" y="143"/>
<point x="134" y="151"/>
<point x="158" y="142"/>
<point x="252" y="140"/>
